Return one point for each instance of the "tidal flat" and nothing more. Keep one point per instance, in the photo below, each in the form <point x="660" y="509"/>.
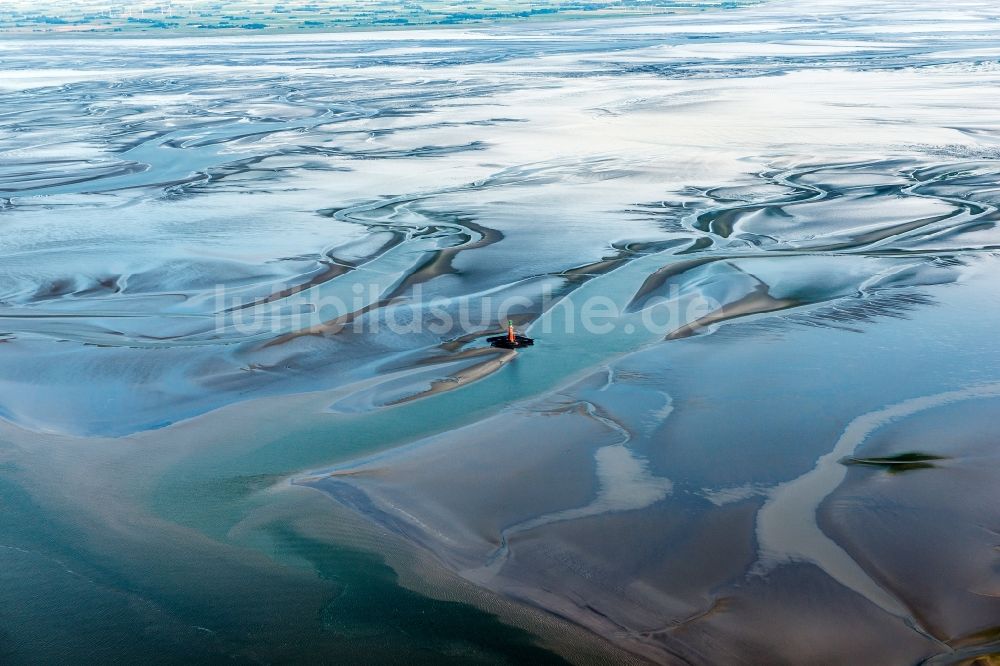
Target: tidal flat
<point x="247" y="407"/>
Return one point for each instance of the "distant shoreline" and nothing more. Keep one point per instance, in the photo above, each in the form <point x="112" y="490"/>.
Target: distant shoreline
<point x="131" y="31"/>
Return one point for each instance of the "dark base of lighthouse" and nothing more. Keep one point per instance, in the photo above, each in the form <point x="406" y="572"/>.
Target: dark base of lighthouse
<point x="503" y="342"/>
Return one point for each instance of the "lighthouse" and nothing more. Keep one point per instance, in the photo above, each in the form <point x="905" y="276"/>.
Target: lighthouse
<point x="512" y="340"/>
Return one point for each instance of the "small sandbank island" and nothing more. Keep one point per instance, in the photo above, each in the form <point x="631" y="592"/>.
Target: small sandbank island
<point x="269" y="272"/>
